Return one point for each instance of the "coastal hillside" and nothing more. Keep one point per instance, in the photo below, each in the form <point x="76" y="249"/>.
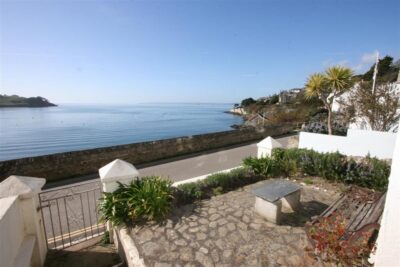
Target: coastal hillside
<point x="19" y="101"/>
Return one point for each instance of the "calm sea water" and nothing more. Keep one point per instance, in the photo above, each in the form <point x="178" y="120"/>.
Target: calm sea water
<point x="39" y="131"/>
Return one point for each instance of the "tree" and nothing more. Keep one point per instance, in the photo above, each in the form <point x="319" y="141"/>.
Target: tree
<point x="329" y="85"/>
<point x="378" y="109"/>
<point x="247" y="102"/>
<point x="384" y="66"/>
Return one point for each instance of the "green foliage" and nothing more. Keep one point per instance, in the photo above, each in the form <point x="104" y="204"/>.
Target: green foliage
<point x="18" y="101"/>
<point x="369" y="172"/>
<point x="262" y="166"/>
<point x="384" y="67"/>
<point x="145" y="199"/>
<point x="308" y="181"/>
<point x="247" y="102"/>
<point x="105" y="239"/>
<point x="215" y="184"/>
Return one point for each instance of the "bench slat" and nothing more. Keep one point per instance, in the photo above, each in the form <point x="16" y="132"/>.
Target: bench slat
<point x="360" y="215"/>
<point x="334" y="206"/>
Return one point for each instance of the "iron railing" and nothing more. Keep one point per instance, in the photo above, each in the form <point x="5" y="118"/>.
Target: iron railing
<point x="70" y="214"/>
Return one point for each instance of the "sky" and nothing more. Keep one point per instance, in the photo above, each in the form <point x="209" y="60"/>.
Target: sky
<point x="127" y="52"/>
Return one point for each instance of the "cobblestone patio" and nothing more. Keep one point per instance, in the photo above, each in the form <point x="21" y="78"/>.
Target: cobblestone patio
<point x="225" y="231"/>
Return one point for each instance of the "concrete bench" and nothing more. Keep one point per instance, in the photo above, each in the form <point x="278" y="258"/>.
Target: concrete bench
<point x="271" y="197"/>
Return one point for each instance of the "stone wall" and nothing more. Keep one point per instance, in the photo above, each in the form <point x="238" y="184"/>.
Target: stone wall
<point x="77" y="163"/>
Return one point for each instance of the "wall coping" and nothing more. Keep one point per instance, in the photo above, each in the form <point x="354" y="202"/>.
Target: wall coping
<point x="23" y="186"/>
<point x="5" y="204"/>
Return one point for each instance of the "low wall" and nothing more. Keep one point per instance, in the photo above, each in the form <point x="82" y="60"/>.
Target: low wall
<point x="356" y="143"/>
<point x="11" y="230"/>
<point x="77" y="163"/>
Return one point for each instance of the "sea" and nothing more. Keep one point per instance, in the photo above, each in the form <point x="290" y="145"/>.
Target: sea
<point x="27" y="132"/>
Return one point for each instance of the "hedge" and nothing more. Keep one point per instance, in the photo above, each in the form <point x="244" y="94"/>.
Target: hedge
<point x="367" y="172"/>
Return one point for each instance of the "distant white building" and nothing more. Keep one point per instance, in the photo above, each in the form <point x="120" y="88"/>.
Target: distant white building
<point x="360" y="122"/>
<point x="289" y="95"/>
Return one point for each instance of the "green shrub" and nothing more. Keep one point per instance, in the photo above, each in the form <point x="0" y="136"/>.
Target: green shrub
<point x="215" y="184"/>
<point x="144" y="199"/>
<point x="308" y="181"/>
<point x="263" y="166"/>
<point x="370" y="172"/>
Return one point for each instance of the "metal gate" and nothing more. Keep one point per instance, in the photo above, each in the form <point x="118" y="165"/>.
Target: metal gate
<point x="70" y="214"/>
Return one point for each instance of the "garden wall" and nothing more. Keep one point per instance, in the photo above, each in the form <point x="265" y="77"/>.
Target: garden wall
<point x="356" y="143"/>
<point x="78" y="163"/>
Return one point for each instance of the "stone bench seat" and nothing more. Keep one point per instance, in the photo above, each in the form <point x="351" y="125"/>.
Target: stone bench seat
<point x="271" y="197"/>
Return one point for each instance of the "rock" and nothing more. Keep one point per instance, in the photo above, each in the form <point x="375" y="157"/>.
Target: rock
<point x="186" y="254"/>
<point x="170" y="256"/>
<point x="144" y="236"/>
<point x="215" y="256"/>
<point x="214" y="217"/>
<point x="192" y="224"/>
<point x="213" y="224"/>
<point x="203" y="250"/>
<point x="194" y="230"/>
<point x="231" y="226"/>
<point x="245" y="219"/>
<point x="203" y="221"/>
<point x="162" y="264"/>
<point x="227" y="253"/>
<point x="172" y="234"/>
<point x="222" y="231"/>
<point x="222" y="221"/>
<point x="212" y="233"/>
<point x="242" y="226"/>
<point x="238" y="214"/>
<point x="295" y="260"/>
<point x="183" y="228"/>
<point x="212" y="210"/>
<point x="180" y="242"/>
<point x="201" y="236"/>
<point x="204" y="259"/>
<point x="152" y="249"/>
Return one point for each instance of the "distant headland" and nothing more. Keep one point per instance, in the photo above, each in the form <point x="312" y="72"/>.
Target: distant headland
<point x="14" y="101"/>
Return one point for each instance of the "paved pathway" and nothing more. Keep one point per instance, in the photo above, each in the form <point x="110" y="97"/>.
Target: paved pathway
<point x="221" y="232"/>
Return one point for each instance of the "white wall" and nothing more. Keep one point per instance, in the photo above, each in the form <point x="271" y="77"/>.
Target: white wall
<point x="11" y="230"/>
<point x="356" y="143"/>
<point x="388" y="245"/>
<point x="22" y="238"/>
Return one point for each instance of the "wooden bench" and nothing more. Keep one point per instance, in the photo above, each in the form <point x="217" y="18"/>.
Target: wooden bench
<point x="362" y="208"/>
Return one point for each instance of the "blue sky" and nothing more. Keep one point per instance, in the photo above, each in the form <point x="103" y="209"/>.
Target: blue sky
<point x="184" y="51"/>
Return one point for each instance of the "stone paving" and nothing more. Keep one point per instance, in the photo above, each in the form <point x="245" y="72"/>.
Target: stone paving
<point x="225" y="231"/>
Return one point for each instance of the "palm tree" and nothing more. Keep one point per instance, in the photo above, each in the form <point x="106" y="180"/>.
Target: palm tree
<point x="334" y="82"/>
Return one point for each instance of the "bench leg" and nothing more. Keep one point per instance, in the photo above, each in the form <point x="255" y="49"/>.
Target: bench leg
<point x="291" y="201"/>
<point x="269" y="210"/>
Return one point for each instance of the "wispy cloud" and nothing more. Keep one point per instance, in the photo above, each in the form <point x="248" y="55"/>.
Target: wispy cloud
<point x="366" y="61"/>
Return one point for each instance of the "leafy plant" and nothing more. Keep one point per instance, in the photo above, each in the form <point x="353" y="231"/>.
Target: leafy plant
<point x="331" y="247"/>
<point x="260" y="166"/>
<point x="308" y="181"/>
<point x="369" y="172"/>
<point x="326" y="86"/>
<point x="215" y="184"/>
<point x="144" y="199"/>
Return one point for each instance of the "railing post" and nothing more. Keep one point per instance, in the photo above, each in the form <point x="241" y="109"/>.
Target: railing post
<point x="117" y="171"/>
<point x="264" y="148"/>
<point x="27" y="189"/>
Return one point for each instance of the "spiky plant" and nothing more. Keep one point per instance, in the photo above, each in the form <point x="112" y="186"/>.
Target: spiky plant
<point x="326" y="86"/>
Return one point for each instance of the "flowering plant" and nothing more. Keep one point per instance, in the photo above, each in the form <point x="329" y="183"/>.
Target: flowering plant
<point x="329" y="242"/>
